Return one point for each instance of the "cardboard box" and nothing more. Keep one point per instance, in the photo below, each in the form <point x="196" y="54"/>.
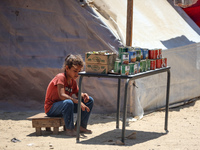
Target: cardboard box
<point x="97" y="68"/>
<point x="98" y="58"/>
<point x="99" y="62"/>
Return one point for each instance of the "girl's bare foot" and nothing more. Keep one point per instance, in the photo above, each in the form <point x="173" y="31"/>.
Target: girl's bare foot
<point x="83" y="130"/>
<point x="70" y="132"/>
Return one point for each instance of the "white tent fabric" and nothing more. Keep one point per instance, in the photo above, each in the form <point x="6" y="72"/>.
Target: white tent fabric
<point x="36" y="36"/>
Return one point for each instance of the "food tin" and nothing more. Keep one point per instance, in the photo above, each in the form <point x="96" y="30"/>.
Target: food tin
<point x="117" y="66"/>
<point x="124" y="58"/>
<point x="125" y="69"/>
<point x="152" y="64"/>
<point x="145" y="53"/>
<point x="132" y="56"/>
<point x="138" y="55"/>
<point x="143" y="66"/>
<point x="152" y="54"/>
<point x="138" y="66"/>
<point x="148" y="64"/>
<point x="121" y="50"/>
<point x="158" y="53"/>
<point x="164" y="62"/>
<point x="158" y="63"/>
<point x="133" y="68"/>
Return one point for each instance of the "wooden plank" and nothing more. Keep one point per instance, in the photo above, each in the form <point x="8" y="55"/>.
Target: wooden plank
<point x="46" y="123"/>
<point x="129" y="23"/>
<point x="42" y="116"/>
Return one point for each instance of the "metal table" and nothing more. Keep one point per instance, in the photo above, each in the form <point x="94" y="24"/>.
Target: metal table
<point x="128" y="79"/>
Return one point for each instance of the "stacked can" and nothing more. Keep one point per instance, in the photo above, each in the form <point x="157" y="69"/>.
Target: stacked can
<point x="132" y="60"/>
<point x="156" y="60"/>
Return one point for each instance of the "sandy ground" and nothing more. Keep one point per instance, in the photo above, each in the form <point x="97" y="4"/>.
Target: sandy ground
<point x="183" y="126"/>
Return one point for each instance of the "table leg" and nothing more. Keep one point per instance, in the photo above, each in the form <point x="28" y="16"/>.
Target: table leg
<point x="125" y="109"/>
<point x="167" y="100"/>
<point x="118" y="103"/>
<point x="79" y="111"/>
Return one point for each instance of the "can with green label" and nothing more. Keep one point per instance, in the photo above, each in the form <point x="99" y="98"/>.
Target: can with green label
<point x="125" y="69"/>
<point x="125" y="58"/>
<point x="148" y="64"/>
<point x="117" y="66"/>
<point x="121" y="50"/>
<point x="143" y="66"/>
<point x="138" y="55"/>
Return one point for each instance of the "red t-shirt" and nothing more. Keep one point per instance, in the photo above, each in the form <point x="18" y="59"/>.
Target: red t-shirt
<point x="52" y="91"/>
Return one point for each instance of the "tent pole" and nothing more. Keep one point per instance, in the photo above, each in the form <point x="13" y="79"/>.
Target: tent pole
<point x="129" y="23"/>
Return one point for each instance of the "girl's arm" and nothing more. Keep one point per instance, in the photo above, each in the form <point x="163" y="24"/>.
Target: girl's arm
<point x="62" y="95"/>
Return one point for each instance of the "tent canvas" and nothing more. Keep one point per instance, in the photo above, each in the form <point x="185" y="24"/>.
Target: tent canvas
<point x="35" y="38"/>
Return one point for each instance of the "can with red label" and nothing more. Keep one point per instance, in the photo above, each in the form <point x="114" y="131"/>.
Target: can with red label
<point x="164" y="62"/>
<point x="152" y="54"/>
<point x="158" y="63"/>
<point x="152" y="64"/>
<point x="158" y="53"/>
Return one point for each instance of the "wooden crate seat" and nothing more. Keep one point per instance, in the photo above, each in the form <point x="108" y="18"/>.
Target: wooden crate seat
<point x="42" y="120"/>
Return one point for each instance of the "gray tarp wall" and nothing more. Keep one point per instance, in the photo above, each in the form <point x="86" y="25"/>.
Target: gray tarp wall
<point x="37" y="35"/>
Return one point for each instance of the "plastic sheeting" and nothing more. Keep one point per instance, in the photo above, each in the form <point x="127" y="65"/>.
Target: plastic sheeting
<point x="36" y="36"/>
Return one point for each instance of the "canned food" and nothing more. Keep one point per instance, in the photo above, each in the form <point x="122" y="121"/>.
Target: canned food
<point x="152" y="54"/>
<point x="138" y="66"/>
<point x="125" y="69"/>
<point x="148" y="64"/>
<point x="145" y="53"/>
<point x="143" y="66"/>
<point x="138" y="55"/>
<point x="158" y="53"/>
<point x="132" y="56"/>
<point x="124" y="58"/>
<point x="158" y="63"/>
<point x="117" y="66"/>
<point x="164" y="62"/>
<point x="152" y="64"/>
<point x="121" y="50"/>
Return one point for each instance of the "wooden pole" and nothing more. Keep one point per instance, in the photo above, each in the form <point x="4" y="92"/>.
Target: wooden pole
<point x="129" y="23"/>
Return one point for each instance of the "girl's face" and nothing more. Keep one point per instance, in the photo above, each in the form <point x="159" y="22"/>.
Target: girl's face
<point x="72" y="73"/>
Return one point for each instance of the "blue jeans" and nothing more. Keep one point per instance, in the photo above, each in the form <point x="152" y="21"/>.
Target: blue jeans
<point x="67" y="108"/>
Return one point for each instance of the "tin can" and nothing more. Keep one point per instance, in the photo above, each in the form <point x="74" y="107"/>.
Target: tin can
<point x="148" y="64"/>
<point x="125" y="69"/>
<point x="164" y="62"/>
<point x="158" y="63"/>
<point x="132" y="56"/>
<point x="158" y="53"/>
<point x="152" y="64"/>
<point x="145" y="53"/>
<point x="117" y="66"/>
<point x="124" y="58"/>
<point x="143" y="66"/>
<point x="138" y="66"/>
<point x="152" y="54"/>
<point x="121" y="50"/>
<point x="138" y="55"/>
<point x="131" y="72"/>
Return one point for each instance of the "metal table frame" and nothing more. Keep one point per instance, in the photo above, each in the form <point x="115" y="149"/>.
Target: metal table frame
<point x="128" y="79"/>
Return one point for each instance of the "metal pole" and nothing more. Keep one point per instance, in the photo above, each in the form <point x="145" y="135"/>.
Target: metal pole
<point x="167" y="100"/>
<point x="118" y="103"/>
<point x="79" y="111"/>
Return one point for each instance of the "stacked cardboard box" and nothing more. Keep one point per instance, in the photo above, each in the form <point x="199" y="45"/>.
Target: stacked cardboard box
<point x="99" y="61"/>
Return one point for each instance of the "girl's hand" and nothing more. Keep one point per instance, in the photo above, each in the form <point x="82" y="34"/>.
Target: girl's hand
<point x="84" y="107"/>
<point x="85" y="97"/>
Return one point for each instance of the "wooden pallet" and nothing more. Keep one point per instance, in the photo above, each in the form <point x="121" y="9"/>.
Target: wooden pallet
<point x="42" y="120"/>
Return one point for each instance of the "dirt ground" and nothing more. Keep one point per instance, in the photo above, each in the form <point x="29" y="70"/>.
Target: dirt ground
<point x="149" y="133"/>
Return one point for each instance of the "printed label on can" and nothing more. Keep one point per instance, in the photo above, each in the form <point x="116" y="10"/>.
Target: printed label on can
<point x="143" y="66"/>
<point x="148" y="64"/>
<point x="132" y="56"/>
<point x="124" y="58"/>
<point x="138" y="55"/>
<point x="158" y="63"/>
<point x="117" y="66"/>
<point x="125" y="69"/>
<point x="145" y="53"/>
<point x="164" y="62"/>
<point x="152" y="64"/>
<point x="152" y="54"/>
<point x="121" y="50"/>
<point x="138" y="66"/>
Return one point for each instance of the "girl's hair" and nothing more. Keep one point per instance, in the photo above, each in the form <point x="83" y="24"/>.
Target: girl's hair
<point x="73" y="60"/>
